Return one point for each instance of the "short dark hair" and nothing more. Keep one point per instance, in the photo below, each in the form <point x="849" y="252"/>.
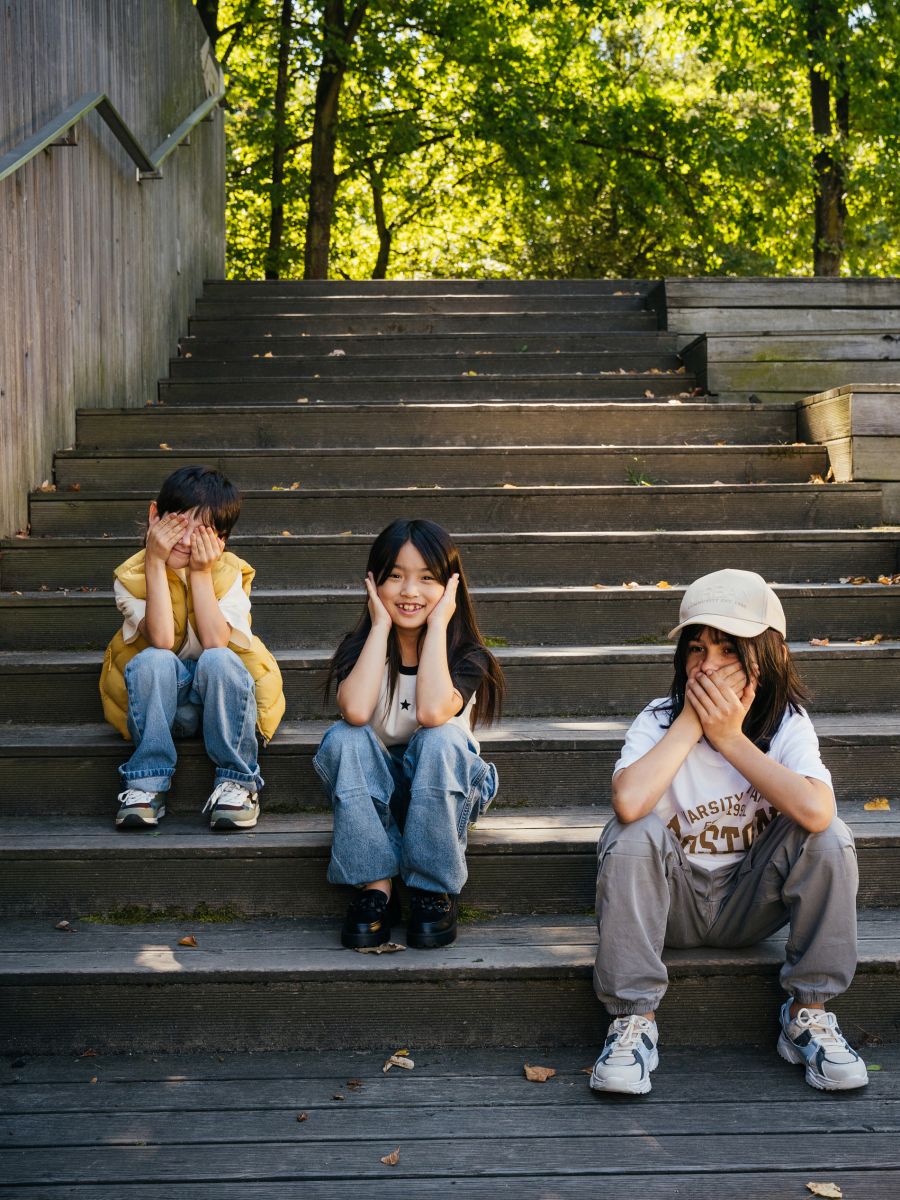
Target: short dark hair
<point x="203" y="488"/>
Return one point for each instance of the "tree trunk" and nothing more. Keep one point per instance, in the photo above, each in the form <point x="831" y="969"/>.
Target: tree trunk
<point x="208" y="12"/>
<point x="379" y="271"/>
<point x="279" y="142"/>
<point x="829" y="162"/>
<point x="338" y="37"/>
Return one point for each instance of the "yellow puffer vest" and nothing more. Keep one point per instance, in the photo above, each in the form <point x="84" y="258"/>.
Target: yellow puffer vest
<point x="257" y="659"/>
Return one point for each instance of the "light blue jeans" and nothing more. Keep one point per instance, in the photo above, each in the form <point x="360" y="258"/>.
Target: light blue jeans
<point x="405" y="810"/>
<point x="169" y="698"/>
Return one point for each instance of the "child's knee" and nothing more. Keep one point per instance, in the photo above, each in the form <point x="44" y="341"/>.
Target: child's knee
<point x="645" y="836"/>
<point x="834" y="840"/>
<point x="218" y="662"/>
<point x="151" y="663"/>
<point x="438" y="740"/>
<point x="339" y="737"/>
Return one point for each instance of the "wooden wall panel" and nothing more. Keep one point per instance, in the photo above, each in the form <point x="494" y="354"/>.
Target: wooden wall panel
<point x="92" y="299"/>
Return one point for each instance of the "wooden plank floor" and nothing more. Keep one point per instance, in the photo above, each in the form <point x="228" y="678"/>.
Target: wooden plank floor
<point x="719" y="1124"/>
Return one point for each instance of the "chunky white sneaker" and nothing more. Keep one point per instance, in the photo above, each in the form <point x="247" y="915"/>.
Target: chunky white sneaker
<point x="232" y="806"/>
<point x="814" y="1038"/>
<point x="139" y="810"/>
<point x="628" y="1056"/>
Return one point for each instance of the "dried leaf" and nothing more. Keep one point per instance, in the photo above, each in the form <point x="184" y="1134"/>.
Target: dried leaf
<point x="632" y="583"/>
<point x="673" y="401"/>
<point x="164" y="446"/>
<point x="829" y="1190"/>
<point x="337" y="353"/>
<point x="510" y="485"/>
<point x="401" y="1053"/>
<point x="663" y="583"/>
<point x="338" y="1096"/>
<point x="47" y="486"/>
<point x="820" y="641"/>
<point x="391" y="1160"/>
<point x="398" y="1060"/>
<point x="301" y="400"/>
<point x="189" y="355"/>
<point x="384" y="948"/>
<point x="856" y="580"/>
<point x="354" y="1084"/>
<point x="874" y="640"/>
<point x="302" y="1116"/>
<point x="878" y="804"/>
<point x="346" y="533"/>
<point x="601" y="587"/>
<point x="470" y="372"/>
<point x="93" y="1079"/>
<point x="286" y="533"/>
<point x="294" y="487"/>
<point x="190" y="940"/>
<point x="815" y="479"/>
<point x="268" y="354"/>
<point x="650" y="395"/>
<point x="539" y="1074"/>
<point x="74" y="487"/>
<point x="65" y="927"/>
<point x="888" y="580"/>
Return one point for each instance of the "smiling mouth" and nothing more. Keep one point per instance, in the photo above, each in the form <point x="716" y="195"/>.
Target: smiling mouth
<point x="410" y="609"/>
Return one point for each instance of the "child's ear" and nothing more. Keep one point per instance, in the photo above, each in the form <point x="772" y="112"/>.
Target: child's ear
<point x="152" y="513"/>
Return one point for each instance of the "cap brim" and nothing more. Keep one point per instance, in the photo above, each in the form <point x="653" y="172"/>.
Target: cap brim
<point x="733" y="625"/>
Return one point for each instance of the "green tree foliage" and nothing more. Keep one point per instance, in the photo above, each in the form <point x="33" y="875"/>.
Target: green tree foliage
<point x="574" y="138"/>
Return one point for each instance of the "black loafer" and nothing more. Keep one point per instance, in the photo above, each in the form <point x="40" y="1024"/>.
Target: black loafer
<point x="370" y="915"/>
<point x="432" y="919"/>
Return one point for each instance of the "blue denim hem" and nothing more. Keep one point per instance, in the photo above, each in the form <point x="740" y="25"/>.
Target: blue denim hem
<point x="254" y="782"/>
<point x="160" y="781"/>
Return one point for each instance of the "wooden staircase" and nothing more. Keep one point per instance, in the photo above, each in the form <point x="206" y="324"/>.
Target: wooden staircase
<point x="554" y="430"/>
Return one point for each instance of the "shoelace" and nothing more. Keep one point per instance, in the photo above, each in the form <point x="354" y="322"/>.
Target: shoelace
<point x="629" y="1030"/>
<point x="134" y="798"/>
<point x="227" y="791"/>
<point x="822" y="1025"/>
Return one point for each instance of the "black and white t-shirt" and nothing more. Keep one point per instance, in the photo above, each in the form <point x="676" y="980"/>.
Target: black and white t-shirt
<point x="710" y="807"/>
<point x="395" y="723"/>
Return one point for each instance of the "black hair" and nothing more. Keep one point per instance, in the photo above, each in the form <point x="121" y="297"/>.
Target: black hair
<point x="778" y="688"/>
<point x="464" y="640"/>
<point x="216" y="498"/>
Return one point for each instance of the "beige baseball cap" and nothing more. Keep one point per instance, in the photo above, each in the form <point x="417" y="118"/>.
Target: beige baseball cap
<point x="737" y="602"/>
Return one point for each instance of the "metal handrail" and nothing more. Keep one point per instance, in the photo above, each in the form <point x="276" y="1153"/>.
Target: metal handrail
<point x="148" y="165"/>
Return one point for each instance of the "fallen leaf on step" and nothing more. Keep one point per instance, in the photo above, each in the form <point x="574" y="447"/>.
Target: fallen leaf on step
<point x="384" y="948"/>
<point x="268" y="354"/>
<point x="293" y="487"/>
<point x="346" y="533"/>
<point x="74" y="487"/>
<point x="399" y="1059"/>
<point x="539" y="1074"/>
<point x="337" y="353"/>
<point x="22" y="533"/>
<point x="820" y="641"/>
<point x="470" y="372"/>
<point x="650" y="395"/>
<point x="673" y="401"/>
<point x="301" y="400"/>
<point x="878" y="804"/>
<point x="354" y="1084"/>
<point x="65" y="927"/>
<point x="601" y="587"/>
<point x="815" y="479"/>
<point x="663" y="583"/>
<point x="855" y="579"/>
<point x="633" y="583"/>
<point x="189" y="355"/>
<point x="510" y="485"/>
<point x="830" y="1190"/>
<point x="47" y="486"/>
<point x="164" y="446"/>
<point x="190" y="940"/>
<point x="339" y="1096"/>
<point x="93" y="1079"/>
<point x="391" y="1160"/>
<point x="302" y="1116"/>
<point x="887" y="580"/>
<point x="874" y="640"/>
<point x="285" y="533"/>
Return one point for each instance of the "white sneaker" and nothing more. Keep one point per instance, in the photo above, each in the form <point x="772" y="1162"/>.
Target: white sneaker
<point x="814" y="1038"/>
<point x="628" y="1056"/>
<point x="232" y="806"/>
<point x="139" y="809"/>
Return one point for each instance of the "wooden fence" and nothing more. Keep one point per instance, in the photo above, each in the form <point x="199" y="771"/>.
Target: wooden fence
<point x="98" y="272"/>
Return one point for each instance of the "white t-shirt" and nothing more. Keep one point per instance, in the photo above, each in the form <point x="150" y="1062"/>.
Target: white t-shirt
<point x="710" y="807"/>
<point x="234" y="607"/>
<point x="395" y="723"/>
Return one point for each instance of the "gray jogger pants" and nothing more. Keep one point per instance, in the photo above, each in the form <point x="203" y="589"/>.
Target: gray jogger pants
<point x="648" y="897"/>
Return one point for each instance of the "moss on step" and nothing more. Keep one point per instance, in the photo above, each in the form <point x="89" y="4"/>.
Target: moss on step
<point x="135" y="914"/>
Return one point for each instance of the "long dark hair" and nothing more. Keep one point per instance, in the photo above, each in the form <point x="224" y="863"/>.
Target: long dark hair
<point x="778" y="688"/>
<point x="464" y="640"/>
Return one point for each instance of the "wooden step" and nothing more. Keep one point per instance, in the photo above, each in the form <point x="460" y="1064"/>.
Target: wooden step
<point x="388" y="289"/>
<point x="521" y="981"/>
<point x="511" y="509"/>
<point x="349" y="346"/>
<point x="448" y="466"/>
<point x="71" y="770"/>
<point x="411" y="366"/>
<point x="554" y="681"/>
<point x="571" y="320"/>
<point x="554" y="559"/>
<point x="537" y="861"/>
<point x="472" y="305"/>
<point x="467" y="1124"/>
<point x="464" y="424"/>
<point x="241" y="388"/>
<point x="551" y="616"/>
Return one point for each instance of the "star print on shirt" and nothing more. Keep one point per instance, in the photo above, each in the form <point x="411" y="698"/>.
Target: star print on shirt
<point x="404" y="704"/>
